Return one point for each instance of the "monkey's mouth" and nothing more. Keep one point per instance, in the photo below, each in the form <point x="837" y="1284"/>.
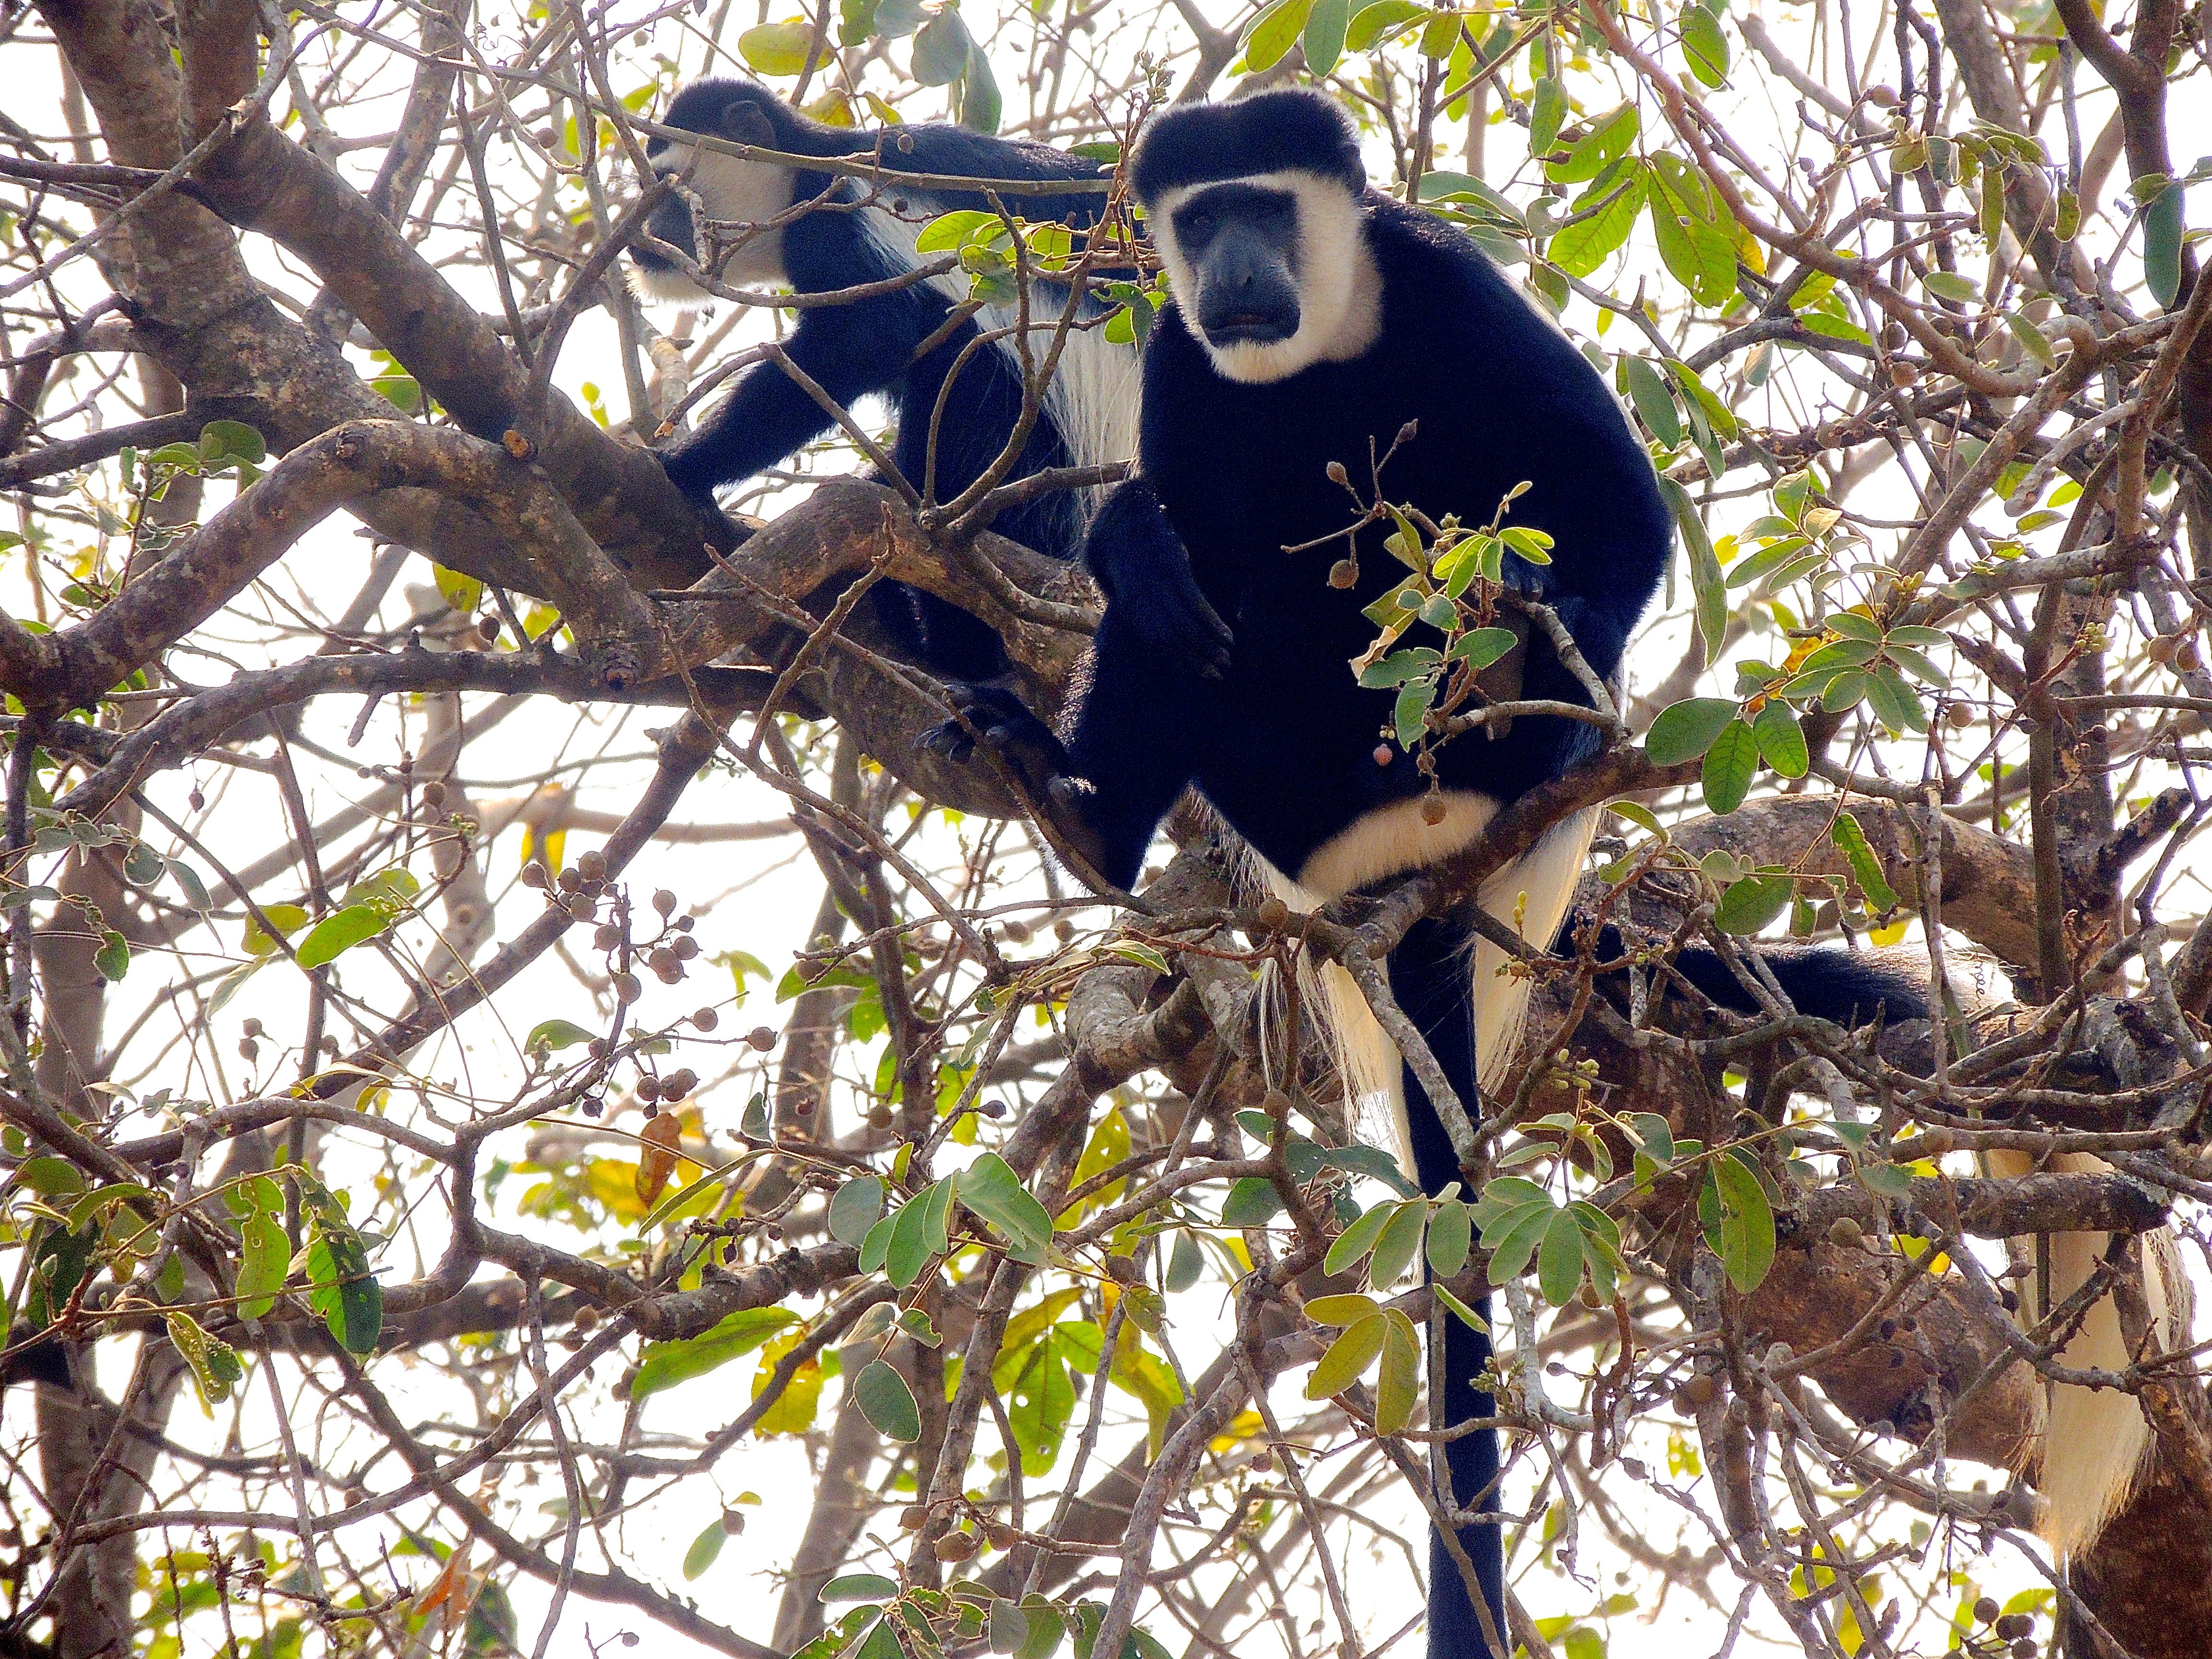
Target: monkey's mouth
<point x="1250" y="328"/>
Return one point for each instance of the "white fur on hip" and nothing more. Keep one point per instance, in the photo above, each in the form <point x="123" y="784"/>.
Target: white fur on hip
<point x="2096" y="1443"/>
<point x="1395" y="838"/>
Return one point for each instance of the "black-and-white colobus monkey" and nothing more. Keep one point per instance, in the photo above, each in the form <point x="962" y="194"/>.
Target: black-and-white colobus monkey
<point x="856" y="235"/>
<point x="1314" y="321"/>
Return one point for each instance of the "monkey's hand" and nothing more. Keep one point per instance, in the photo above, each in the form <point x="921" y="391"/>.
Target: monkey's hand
<point x="1171" y="617"/>
<point x="997" y="718"/>
<point x="1152" y="594"/>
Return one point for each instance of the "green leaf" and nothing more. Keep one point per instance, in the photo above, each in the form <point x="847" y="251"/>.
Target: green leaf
<point x="286" y="919"/>
<point x="982" y="104"/>
<point x="990" y="1188"/>
<point x="1479" y="647"/>
<point x="1413" y="701"/>
<point x="1370" y="22"/>
<point x="1515" y="1240"/>
<point x="704" y="1548"/>
<point x="339" y="932"/>
<point x="549" y="1035"/>
<point x="1746" y="1245"/>
<point x="918" y="1233"/>
<point x="855" y="1209"/>
<point x="1866" y="869"/>
<point x="214" y="1362"/>
<point x="1252" y="1202"/>
<point x="875" y="1246"/>
<point x="1547" y="108"/>
<point x="1186" y="1263"/>
<point x="1699" y="255"/>
<point x="264" y="1252"/>
<point x="1781" y="739"/>
<point x="1451" y="1236"/>
<point x="1460" y="1310"/>
<point x="1949" y="285"/>
<point x="1398" y="1386"/>
<point x="1006" y="1626"/>
<point x="1893" y="700"/>
<point x="1748" y="905"/>
<point x="1707" y="584"/>
<point x="1685" y="730"/>
<point x="1582" y="247"/>
<point x="1323" y="39"/>
<point x="1400" y="1242"/>
<point x="663" y="1364"/>
<point x="1347" y="1359"/>
<point x="1352" y="1244"/>
<point x="341" y="1289"/>
<point x="1273" y="33"/>
<point x="1345" y="1309"/>
<point x="1655" y="402"/>
<point x="1606" y="142"/>
<point x="1559" y="1261"/>
<point x="50" y="1176"/>
<point x="1704" y="45"/>
<point x="887" y="1402"/>
<point x="777" y="48"/>
<point x="224" y="443"/>
<point x="940" y="51"/>
<point x="1731" y="762"/>
<point x="1396" y="669"/>
<point x="860" y="1587"/>
<point x="949" y="231"/>
<point x="1369" y="1161"/>
<point x="113" y="958"/>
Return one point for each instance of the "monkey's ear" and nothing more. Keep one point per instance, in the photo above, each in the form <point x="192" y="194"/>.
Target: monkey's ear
<point x="743" y="122"/>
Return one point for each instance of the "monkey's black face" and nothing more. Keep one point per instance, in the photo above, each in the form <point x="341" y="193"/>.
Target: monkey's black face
<point x="732" y="190"/>
<point x="1241" y="242"/>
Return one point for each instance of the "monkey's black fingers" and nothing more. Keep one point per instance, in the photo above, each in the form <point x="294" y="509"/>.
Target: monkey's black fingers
<point x="947" y="741"/>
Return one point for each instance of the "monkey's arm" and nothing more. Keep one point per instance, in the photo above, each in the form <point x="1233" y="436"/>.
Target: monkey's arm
<point x="849" y="351"/>
<point x="1127" y="763"/>
<point x="1140" y="564"/>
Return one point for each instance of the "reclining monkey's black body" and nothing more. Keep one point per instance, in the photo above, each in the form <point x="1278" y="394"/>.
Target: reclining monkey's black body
<point x="1313" y="319"/>
<point x="859" y="234"/>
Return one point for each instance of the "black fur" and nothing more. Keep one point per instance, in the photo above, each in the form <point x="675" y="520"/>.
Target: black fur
<point x="1273" y="132"/>
<point x="868" y="346"/>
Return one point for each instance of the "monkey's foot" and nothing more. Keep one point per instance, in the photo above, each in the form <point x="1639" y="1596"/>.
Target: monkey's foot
<point x="1003" y="724"/>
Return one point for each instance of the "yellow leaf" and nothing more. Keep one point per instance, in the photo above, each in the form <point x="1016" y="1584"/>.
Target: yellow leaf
<point x="656" y="1159"/>
<point x="793" y="1411"/>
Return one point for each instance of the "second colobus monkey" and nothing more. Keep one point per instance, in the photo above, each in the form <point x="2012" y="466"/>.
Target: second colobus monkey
<point x="848" y="234"/>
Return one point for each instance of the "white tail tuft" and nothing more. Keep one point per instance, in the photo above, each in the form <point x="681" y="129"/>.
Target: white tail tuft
<point x="2095" y="1443"/>
<point x="1393" y="839"/>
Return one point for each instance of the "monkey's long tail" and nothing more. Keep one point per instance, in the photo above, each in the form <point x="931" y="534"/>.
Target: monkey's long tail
<point x="2095" y="1443"/>
<point x="1450" y="984"/>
